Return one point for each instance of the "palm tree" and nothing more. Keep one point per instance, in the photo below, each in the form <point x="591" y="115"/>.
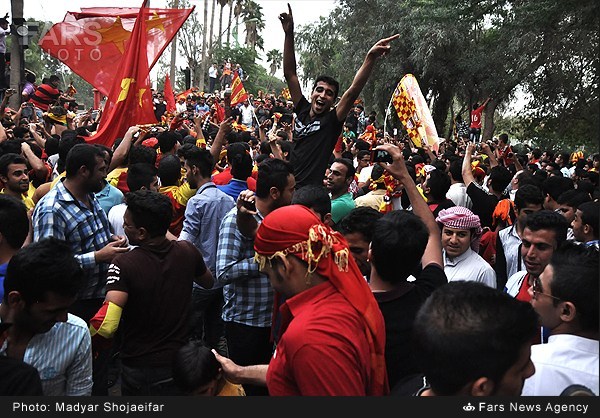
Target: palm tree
<point x="253" y="19"/>
<point x="230" y="4"/>
<point x="274" y="58"/>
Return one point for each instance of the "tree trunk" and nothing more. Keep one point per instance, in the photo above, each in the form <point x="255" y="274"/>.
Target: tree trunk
<point x="230" y="18"/>
<point x="203" y="59"/>
<point x="220" y="35"/>
<point x="17" y="60"/>
<point x="212" y="26"/>
<point x="440" y="110"/>
<point x="489" y="127"/>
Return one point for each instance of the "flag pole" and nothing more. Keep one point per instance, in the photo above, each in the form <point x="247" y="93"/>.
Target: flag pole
<point x="387" y="112"/>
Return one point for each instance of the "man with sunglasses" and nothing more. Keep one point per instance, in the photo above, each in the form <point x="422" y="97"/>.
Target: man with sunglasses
<point x="565" y="295"/>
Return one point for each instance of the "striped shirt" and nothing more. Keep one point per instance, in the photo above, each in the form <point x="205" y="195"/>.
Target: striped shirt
<point x="58" y="214"/>
<point x="63" y="358"/>
<point x="248" y="294"/>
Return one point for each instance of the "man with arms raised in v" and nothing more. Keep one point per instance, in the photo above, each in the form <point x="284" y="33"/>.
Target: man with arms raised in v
<point x="318" y="124"/>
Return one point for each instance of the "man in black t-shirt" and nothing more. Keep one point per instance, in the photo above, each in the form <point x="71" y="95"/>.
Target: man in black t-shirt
<point x="318" y="123"/>
<point x="485" y="203"/>
<point x="415" y="237"/>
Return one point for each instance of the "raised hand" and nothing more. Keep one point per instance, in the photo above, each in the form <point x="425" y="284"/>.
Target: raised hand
<point x="287" y="20"/>
<point x="382" y="47"/>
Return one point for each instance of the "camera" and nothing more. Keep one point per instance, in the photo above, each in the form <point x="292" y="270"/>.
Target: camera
<point x="382" y="156"/>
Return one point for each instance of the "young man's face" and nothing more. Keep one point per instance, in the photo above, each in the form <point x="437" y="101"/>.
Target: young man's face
<point x="359" y="248"/>
<point x="567" y="211"/>
<point x="16" y="179"/>
<point x="527" y="210"/>
<point x="336" y="180"/>
<point x="322" y="98"/>
<point x="537" y="248"/>
<point x="512" y="382"/>
<point x="40" y="316"/>
<point x="95" y="181"/>
<point x="455" y="241"/>
<point x="579" y="227"/>
<point x="543" y="301"/>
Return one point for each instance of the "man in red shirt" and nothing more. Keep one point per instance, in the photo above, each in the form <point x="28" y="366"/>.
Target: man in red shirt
<point x="332" y="331"/>
<point x="476" y="120"/>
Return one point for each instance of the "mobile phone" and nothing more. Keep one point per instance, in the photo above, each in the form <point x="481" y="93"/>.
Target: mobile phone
<point x="381" y="156"/>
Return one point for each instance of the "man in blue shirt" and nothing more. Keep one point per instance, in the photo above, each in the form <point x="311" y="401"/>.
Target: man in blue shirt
<point x="203" y="215"/>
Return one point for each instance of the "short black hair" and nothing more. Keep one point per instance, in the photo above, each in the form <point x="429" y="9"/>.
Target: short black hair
<point x="548" y="219"/>
<point x="573" y="198"/>
<point x="314" y="197"/>
<point x="194" y="365"/>
<point x="140" y="175"/>
<point x="557" y="185"/>
<point x="590" y="214"/>
<point x="202" y="159"/>
<point x="350" y="170"/>
<point x="272" y="172"/>
<point x="465" y="330"/>
<point x="528" y="194"/>
<point x="398" y="232"/>
<point x="82" y="155"/>
<point x="14" y="223"/>
<point x="575" y="279"/>
<point x="169" y="170"/>
<point x="8" y="159"/>
<point x="329" y="80"/>
<point x="362" y="220"/>
<point x="47" y="265"/>
<point x="150" y="210"/>
<point x="438" y="182"/>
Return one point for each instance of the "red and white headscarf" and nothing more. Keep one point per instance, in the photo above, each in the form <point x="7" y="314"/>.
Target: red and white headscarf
<point x="459" y="217"/>
<point x="296" y="230"/>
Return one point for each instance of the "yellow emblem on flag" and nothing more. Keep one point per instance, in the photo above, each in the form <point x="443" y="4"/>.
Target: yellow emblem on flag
<point x="125" y="83"/>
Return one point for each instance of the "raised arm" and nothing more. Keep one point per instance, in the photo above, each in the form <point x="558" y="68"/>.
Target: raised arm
<point x="380" y="49"/>
<point x="467" y="170"/>
<point x="289" y="56"/>
<point x="433" y="251"/>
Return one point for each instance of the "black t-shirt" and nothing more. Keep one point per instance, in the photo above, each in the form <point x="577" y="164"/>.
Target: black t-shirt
<point x="314" y="141"/>
<point x="484" y="204"/>
<point x="19" y="378"/>
<point x="399" y="308"/>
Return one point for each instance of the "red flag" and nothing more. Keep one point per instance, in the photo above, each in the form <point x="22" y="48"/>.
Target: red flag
<point x="130" y="99"/>
<point x="168" y="94"/>
<point x="93" y="42"/>
<point x="238" y="92"/>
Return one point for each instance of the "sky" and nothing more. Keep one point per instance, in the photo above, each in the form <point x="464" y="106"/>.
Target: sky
<point x="304" y="12"/>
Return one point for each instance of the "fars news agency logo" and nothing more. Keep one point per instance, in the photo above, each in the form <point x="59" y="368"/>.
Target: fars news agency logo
<point x="468" y="407"/>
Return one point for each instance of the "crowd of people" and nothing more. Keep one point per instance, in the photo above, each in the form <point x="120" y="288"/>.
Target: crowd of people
<point x="266" y="249"/>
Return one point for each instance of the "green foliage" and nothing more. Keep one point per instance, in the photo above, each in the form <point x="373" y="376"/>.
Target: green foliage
<point x="44" y="65"/>
<point x="463" y="51"/>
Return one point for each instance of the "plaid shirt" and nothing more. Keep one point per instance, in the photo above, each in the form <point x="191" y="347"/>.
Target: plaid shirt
<point x="248" y="294"/>
<point x="58" y="214"/>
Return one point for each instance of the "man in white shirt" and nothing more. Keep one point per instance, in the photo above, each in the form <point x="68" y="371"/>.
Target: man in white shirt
<point x="247" y="111"/>
<point x="461" y="232"/>
<point x="458" y="191"/>
<point x="213" y="74"/>
<point x="565" y="296"/>
<point x="528" y="199"/>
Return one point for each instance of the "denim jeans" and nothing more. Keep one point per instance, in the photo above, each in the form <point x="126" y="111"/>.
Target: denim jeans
<point x="206" y="322"/>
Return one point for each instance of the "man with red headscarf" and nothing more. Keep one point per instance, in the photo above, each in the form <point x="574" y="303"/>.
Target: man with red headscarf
<point x="333" y="334"/>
